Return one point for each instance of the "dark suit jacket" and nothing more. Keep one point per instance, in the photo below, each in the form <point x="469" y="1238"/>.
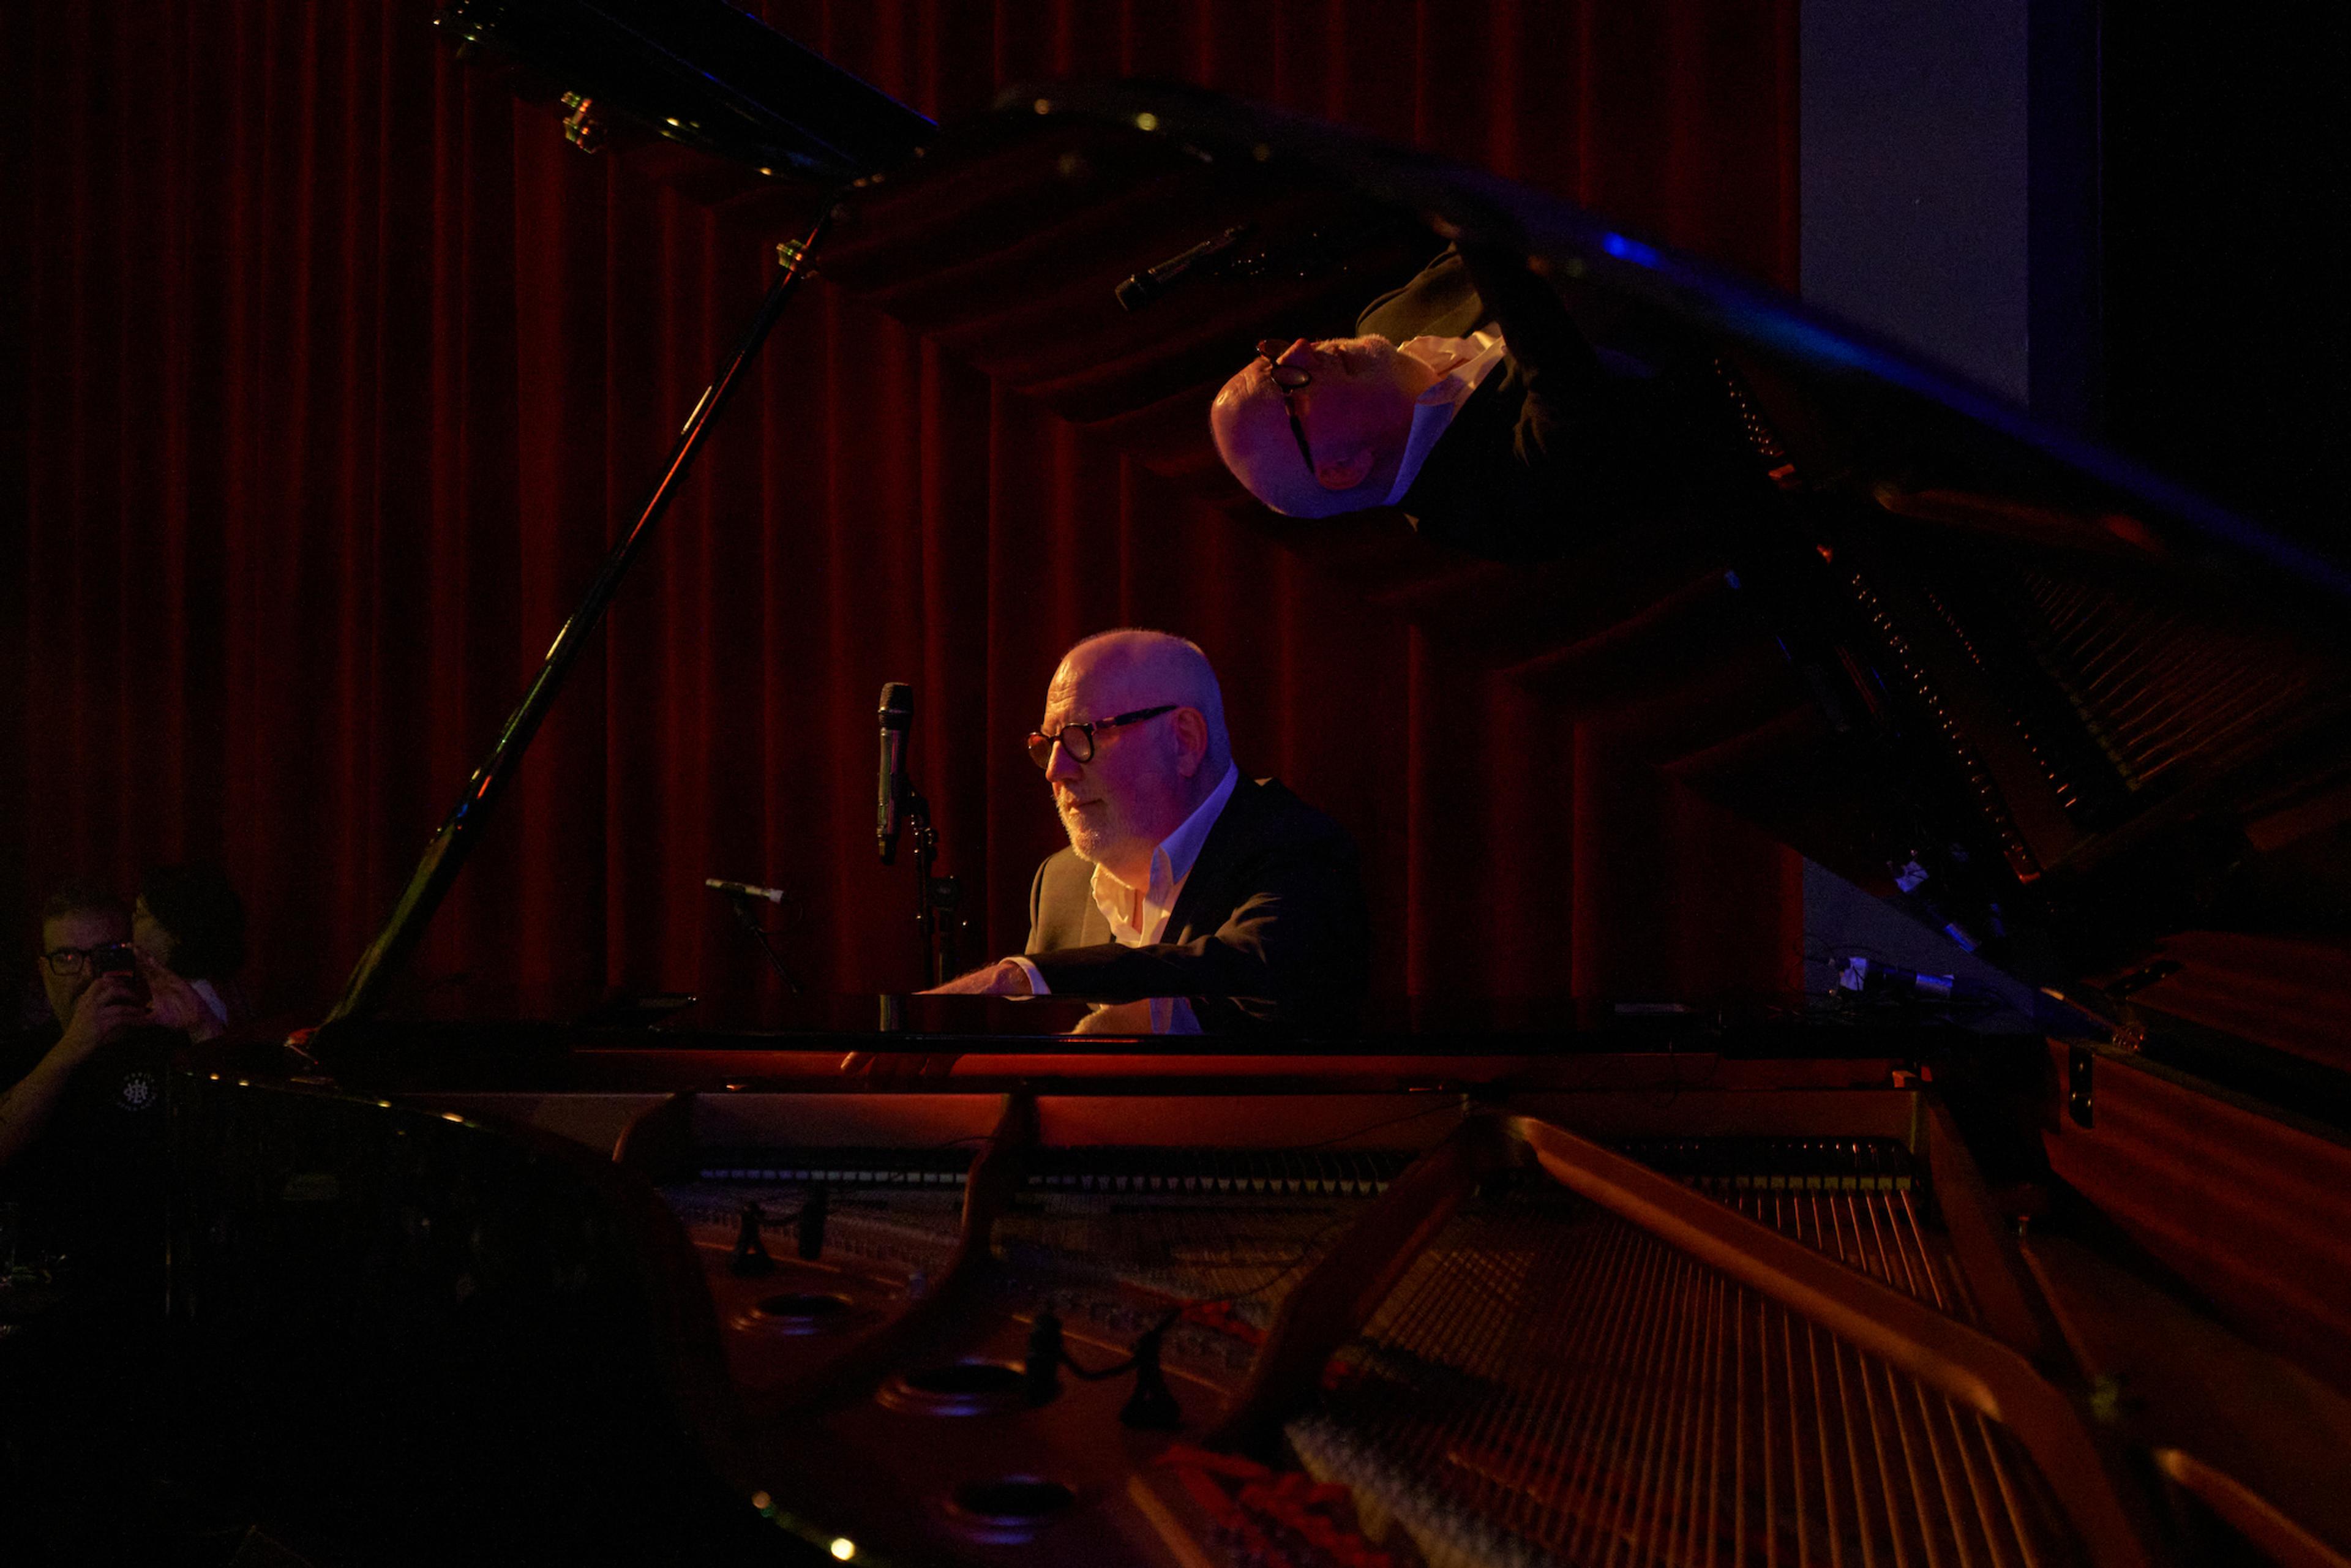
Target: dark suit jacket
<point x="1547" y="451"/>
<point x="1273" y="908"/>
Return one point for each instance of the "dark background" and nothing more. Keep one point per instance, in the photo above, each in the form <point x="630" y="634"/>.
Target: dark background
<point x="2225" y="267"/>
<point x="332" y="366"/>
<point x="329" y="370"/>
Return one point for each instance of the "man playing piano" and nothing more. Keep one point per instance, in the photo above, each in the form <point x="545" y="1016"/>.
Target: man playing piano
<point x="1181" y="878"/>
<point x="1468" y="399"/>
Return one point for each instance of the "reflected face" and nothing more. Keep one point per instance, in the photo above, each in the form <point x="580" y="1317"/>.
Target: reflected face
<point x="1352" y="399"/>
<point x="1361" y="396"/>
<point x="1118" y="805"/>
<point x="82" y="928"/>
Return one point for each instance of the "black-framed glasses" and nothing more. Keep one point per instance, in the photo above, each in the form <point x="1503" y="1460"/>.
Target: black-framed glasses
<point x="1288" y="379"/>
<point x="1076" y="740"/>
<point x="66" y="962"/>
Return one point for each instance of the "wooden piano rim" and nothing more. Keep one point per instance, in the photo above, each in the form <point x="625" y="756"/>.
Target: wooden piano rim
<point x="2260" y="1521"/>
<point x="1966" y="1365"/>
<point x="1961" y="1363"/>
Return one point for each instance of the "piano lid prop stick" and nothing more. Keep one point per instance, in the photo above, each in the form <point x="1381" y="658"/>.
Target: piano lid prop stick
<point x="445" y="856"/>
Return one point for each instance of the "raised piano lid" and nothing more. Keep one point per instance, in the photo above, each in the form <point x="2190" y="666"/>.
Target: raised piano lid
<point x="695" y="72"/>
<point x="2032" y="691"/>
<point x="2038" y="694"/>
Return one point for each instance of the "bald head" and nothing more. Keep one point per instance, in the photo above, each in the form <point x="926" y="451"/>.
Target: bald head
<point x="1132" y="668"/>
<point x="1250" y="423"/>
<point x="1354" y="410"/>
<point x="1146" y="777"/>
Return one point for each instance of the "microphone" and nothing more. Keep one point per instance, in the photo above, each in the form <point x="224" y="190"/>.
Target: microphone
<point x="745" y="889"/>
<point x="1147" y="285"/>
<point x="897" y="716"/>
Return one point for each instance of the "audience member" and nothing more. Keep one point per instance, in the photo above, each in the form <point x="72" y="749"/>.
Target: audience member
<point x="98" y="998"/>
<point x="82" y="1170"/>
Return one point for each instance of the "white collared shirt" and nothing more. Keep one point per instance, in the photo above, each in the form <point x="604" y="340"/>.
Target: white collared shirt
<point x="1460" y="363"/>
<point x="1138" y="916"/>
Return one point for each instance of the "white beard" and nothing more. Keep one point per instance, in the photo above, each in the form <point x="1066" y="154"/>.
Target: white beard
<point x="1085" y="838"/>
<point x="1100" y="834"/>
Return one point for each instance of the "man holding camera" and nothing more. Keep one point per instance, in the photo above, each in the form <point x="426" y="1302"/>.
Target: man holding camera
<point x="81" y="1175"/>
<point x="96" y="996"/>
<point x="81" y="1113"/>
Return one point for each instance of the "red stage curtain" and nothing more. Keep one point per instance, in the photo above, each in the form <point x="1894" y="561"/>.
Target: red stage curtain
<point x="330" y="368"/>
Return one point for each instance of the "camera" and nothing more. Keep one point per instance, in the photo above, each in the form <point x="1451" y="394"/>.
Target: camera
<point x="119" y="959"/>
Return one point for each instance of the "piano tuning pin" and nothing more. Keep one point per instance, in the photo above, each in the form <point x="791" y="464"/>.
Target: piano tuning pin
<point x="750" y="1249"/>
<point x="1040" y="1371"/>
<point x="1152" y="1407"/>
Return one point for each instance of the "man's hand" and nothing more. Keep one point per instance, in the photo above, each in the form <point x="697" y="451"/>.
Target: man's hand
<point x="175" y="1003"/>
<point x="1117" y="1018"/>
<point x="102" y="1013"/>
<point x="896" y="1066"/>
<point x="1002" y="978"/>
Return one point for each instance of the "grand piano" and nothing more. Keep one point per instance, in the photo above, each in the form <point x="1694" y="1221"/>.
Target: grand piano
<point x="1417" y="1284"/>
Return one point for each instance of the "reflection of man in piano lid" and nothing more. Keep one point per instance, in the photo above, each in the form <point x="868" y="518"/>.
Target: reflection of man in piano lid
<point x="1315" y="428"/>
<point x="1182" y="878"/>
<point x="1469" y="401"/>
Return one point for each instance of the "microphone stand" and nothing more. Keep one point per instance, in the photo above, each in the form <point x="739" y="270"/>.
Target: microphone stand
<point x="741" y="903"/>
<point x="933" y="895"/>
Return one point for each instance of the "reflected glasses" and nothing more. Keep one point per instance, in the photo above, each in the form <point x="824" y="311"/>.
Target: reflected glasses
<point x="1076" y="740"/>
<point x="66" y="962"/>
<point x="1287" y="378"/>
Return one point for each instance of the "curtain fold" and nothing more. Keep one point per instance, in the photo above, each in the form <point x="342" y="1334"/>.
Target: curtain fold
<point x="333" y="371"/>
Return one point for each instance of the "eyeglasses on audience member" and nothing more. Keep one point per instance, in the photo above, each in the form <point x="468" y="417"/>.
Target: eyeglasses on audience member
<point x="111" y="957"/>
